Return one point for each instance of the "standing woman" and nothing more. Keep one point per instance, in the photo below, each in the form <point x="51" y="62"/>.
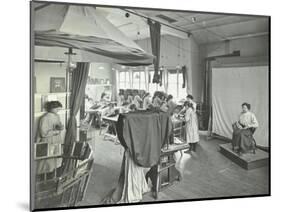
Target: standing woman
<point x="49" y="131"/>
<point x="192" y="134"/>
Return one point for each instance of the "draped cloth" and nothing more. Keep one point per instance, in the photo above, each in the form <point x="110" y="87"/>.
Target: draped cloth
<point x="144" y="134"/>
<point x="155" y="35"/>
<point x="131" y="184"/>
<point x="79" y="80"/>
<point x="85" y="29"/>
<point x="242" y="139"/>
<point x="184" y="78"/>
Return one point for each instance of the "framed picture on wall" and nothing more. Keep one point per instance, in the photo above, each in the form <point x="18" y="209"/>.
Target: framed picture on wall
<point x="57" y="84"/>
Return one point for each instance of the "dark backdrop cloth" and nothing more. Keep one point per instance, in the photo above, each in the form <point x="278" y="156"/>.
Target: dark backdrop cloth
<point x="144" y="134"/>
<point x="79" y="80"/>
<point x="155" y="35"/>
<point x="183" y="76"/>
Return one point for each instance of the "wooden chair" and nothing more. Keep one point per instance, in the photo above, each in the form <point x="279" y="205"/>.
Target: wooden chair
<point x="253" y="129"/>
<point x="68" y="187"/>
<point x="254" y="144"/>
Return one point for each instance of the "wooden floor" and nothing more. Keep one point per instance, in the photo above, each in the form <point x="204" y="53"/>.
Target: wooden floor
<point x="206" y="174"/>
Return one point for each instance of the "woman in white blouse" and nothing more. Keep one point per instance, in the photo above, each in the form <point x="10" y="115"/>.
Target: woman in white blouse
<point x="243" y="129"/>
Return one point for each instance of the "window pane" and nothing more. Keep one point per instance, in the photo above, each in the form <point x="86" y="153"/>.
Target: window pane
<point x="142" y="79"/>
<point x="172" y="87"/>
<point x="122" y="85"/>
<point x="136" y="80"/>
<point x="122" y="76"/>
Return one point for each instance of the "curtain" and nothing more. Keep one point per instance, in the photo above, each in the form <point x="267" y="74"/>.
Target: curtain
<point x="183" y="69"/>
<point x="79" y="80"/>
<point x="146" y="78"/>
<point x="230" y="88"/>
<point x="207" y="97"/>
<point x="155" y="35"/>
<point x="165" y="80"/>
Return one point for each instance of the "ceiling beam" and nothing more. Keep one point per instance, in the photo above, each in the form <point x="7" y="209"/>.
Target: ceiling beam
<point x="197" y="22"/>
<point x="251" y="35"/>
<point x="163" y="24"/>
<point x="220" y="25"/>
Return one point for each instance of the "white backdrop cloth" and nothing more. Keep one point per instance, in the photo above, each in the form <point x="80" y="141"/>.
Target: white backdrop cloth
<point x="231" y="87"/>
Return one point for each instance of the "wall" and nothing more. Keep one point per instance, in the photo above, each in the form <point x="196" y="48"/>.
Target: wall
<point x="176" y="51"/>
<point x="104" y="71"/>
<point x="248" y="47"/>
<point x="44" y="71"/>
<point x="173" y="50"/>
<point x="255" y="46"/>
<point x="194" y="72"/>
<point x="101" y="70"/>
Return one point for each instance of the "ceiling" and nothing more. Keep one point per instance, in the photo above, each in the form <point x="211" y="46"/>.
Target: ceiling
<point x="204" y="27"/>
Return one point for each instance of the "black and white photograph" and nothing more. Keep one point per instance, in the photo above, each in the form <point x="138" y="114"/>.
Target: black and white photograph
<point x="133" y="106"/>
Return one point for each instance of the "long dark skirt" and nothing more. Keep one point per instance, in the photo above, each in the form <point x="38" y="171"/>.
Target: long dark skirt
<point x="242" y="139"/>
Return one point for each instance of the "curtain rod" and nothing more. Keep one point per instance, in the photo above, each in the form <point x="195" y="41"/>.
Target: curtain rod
<point x="146" y="17"/>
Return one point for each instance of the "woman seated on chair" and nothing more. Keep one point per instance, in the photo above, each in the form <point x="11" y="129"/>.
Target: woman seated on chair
<point x="243" y="129"/>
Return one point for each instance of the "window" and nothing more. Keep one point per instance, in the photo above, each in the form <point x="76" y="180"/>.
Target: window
<point x="124" y="80"/>
<point x="173" y="84"/>
<point x="136" y="80"/>
<point x="142" y="81"/>
<point x="175" y="81"/>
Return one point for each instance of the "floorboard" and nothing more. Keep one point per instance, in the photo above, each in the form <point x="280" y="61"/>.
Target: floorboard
<point x="206" y="174"/>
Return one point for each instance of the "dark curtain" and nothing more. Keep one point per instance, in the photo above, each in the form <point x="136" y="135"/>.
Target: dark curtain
<point x="155" y="35"/>
<point x="79" y="80"/>
<point x="183" y="69"/>
<point x="208" y="93"/>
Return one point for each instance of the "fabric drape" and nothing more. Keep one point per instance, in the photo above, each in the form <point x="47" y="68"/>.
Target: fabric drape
<point x="86" y="30"/>
<point x="155" y="35"/>
<point x="144" y="134"/>
<point x="165" y="80"/>
<point x="231" y="87"/>
<point x="146" y="77"/>
<point x="208" y="91"/>
<point x="79" y="80"/>
<point x="183" y="76"/>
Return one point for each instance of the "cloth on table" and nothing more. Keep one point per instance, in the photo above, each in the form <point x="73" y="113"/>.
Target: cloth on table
<point x="142" y="134"/>
<point x="131" y="184"/>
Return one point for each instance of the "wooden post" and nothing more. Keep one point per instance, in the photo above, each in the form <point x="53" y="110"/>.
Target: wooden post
<point x="68" y="70"/>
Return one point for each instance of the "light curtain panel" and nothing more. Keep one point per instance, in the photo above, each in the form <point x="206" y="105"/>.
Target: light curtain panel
<point x="233" y="86"/>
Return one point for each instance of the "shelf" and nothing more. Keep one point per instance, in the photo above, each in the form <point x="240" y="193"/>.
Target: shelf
<point x="99" y="85"/>
<point x="58" y="94"/>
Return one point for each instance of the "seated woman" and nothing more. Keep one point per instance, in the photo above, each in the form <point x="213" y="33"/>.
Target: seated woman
<point x="243" y="129"/>
<point x="146" y="100"/>
<point x="120" y="98"/>
<point x="104" y="97"/>
<point x="156" y="100"/>
<point x="137" y="101"/>
<point x="110" y="110"/>
<point x="132" y="107"/>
